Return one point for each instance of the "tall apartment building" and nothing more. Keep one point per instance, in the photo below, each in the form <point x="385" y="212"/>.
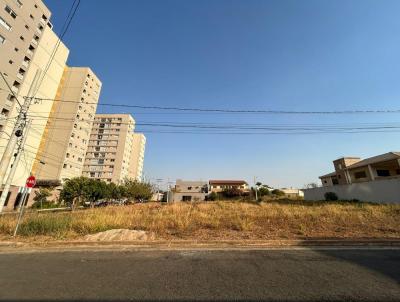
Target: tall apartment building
<point x="110" y="145"/>
<point x="66" y="137"/>
<point x="26" y="45"/>
<point x="137" y="156"/>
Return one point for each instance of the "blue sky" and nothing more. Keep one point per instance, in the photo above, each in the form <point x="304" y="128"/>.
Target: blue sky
<point x="281" y="55"/>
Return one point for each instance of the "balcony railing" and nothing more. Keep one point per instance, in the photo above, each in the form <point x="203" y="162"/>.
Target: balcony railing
<point x="25" y="63"/>
<point x="20" y="76"/>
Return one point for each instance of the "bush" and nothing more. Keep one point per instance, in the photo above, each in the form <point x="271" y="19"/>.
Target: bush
<point x="264" y="191"/>
<point x="278" y="192"/>
<point x="232" y="193"/>
<point x="331" y="196"/>
<point x="44" y="205"/>
<point x="212" y="196"/>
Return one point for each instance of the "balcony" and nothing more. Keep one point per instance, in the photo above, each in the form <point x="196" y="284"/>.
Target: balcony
<point x="34" y="42"/>
<point x="14" y="89"/>
<point x="29" y="52"/>
<point x="25" y="64"/>
<point x="20" y="76"/>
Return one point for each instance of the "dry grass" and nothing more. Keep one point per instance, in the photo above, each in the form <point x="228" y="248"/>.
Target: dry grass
<point x="220" y="220"/>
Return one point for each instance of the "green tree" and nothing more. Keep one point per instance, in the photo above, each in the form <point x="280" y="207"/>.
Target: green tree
<point x="133" y="189"/>
<point x="74" y="191"/>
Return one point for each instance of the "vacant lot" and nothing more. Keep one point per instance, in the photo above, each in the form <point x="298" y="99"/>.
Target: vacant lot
<point x="219" y="221"/>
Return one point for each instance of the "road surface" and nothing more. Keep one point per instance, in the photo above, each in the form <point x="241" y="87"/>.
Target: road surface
<point x="207" y="275"/>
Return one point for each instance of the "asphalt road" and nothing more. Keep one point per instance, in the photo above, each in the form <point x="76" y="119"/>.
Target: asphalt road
<point x="223" y="275"/>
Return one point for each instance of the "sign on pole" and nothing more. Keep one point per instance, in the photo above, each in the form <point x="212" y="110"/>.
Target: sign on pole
<point x="31" y="181"/>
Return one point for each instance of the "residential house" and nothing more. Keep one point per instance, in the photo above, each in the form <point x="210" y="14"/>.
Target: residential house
<point x="189" y="190"/>
<point x="217" y="186"/>
<point x="350" y="170"/>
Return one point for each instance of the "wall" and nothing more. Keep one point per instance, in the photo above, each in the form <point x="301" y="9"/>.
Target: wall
<point x="381" y="191"/>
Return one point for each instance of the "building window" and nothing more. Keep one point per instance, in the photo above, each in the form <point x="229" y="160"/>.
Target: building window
<point x="383" y="173"/>
<point x="186" y="198"/>
<point x="67" y="156"/>
<point x="91" y="174"/>
<point x="64" y="166"/>
<point x="2" y="39"/>
<point x="18" y="2"/>
<point x="5" y="24"/>
<point x="10" y="12"/>
<point x="398" y="171"/>
<point x="360" y="174"/>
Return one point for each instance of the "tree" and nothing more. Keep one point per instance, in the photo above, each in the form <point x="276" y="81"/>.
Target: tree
<point x="264" y="191"/>
<point x="137" y="190"/>
<point x="74" y="191"/>
<point x="258" y="184"/>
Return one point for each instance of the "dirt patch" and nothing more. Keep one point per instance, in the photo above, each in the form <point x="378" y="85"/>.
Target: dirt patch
<point x="119" y="235"/>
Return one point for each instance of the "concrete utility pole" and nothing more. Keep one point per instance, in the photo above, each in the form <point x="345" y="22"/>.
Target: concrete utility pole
<point x="10" y="177"/>
<point x="255" y="188"/>
<point x="17" y="132"/>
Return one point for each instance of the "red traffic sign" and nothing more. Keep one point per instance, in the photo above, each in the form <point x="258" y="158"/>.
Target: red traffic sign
<point x="30" y="181"/>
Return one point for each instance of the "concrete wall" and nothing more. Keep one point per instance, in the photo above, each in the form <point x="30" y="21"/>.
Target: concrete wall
<point x="381" y="191"/>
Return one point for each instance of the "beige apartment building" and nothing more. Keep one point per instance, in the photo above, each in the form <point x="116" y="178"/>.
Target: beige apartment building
<point x="110" y="146"/>
<point x="26" y="44"/>
<point x="66" y="137"/>
<point x="137" y="156"/>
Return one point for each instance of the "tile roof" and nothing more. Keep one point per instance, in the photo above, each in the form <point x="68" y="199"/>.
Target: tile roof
<point x="230" y="182"/>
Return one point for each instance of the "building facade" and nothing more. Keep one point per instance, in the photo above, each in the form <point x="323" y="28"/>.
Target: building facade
<point x="26" y="49"/>
<point x="110" y="146"/>
<point x="66" y="137"/>
<point x="137" y="156"/>
<point x="189" y="191"/>
<point x="217" y="186"/>
<point x="350" y="170"/>
<point x="22" y="24"/>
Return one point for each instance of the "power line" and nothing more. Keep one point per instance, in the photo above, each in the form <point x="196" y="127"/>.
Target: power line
<point x="219" y="110"/>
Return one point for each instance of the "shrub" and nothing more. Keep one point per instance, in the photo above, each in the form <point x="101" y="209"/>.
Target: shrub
<point x="331" y="196"/>
<point x="212" y="196"/>
<point x="44" y="205"/>
<point x="278" y="192"/>
<point x="232" y="193"/>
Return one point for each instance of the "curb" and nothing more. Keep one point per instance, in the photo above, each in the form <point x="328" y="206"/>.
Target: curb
<point x="186" y="244"/>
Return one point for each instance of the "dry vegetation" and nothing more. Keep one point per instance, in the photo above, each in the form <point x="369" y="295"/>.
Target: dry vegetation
<point x="220" y="221"/>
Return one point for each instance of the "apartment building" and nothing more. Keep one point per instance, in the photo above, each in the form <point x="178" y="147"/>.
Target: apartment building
<point x="26" y="44"/>
<point x="21" y="28"/>
<point x="137" y="156"/>
<point x="110" y="146"/>
<point x="66" y="137"/>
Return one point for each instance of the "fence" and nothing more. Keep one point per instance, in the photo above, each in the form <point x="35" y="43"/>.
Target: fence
<point x="381" y="191"/>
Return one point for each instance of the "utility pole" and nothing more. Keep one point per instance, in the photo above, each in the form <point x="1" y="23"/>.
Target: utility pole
<point x="14" y="165"/>
<point x="17" y="132"/>
<point x="255" y="188"/>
